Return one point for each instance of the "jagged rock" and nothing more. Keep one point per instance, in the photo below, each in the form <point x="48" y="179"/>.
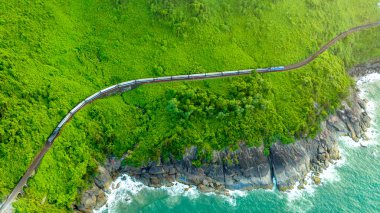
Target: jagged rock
<point x="252" y="169"/>
<point x="202" y="187"/>
<point x="290" y="163"/>
<point x="205" y="182"/>
<point x="337" y="124"/>
<point x="103" y="179"/>
<point x="301" y="186"/>
<point x="154" y="181"/>
<point x="352" y="131"/>
<point x="362" y="104"/>
<point x="132" y="171"/>
<point x="155" y="170"/>
<point x="365" y="69"/>
<point x="89" y="199"/>
<point x="113" y="164"/>
<point x="101" y="199"/>
<point x="316" y="179"/>
<point x="117" y="186"/>
<point x="366" y="120"/>
<point x="172" y="171"/>
<point x="170" y="178"/>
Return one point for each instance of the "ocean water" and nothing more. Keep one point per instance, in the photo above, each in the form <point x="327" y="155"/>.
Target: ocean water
<point x="352" y="184"/>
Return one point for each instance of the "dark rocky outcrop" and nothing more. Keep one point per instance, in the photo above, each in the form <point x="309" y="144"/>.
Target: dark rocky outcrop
<point x="96" y="197"/>
<point x="365" y="69"/>
<point x="245" y="168"/>
<point x="248" y="168"/>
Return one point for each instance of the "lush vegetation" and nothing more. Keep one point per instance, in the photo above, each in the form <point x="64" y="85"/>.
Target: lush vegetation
<point x="55" y="53"/>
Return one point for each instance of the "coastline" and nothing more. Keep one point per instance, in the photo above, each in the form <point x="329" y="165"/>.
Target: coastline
<point x="352" y="121"/>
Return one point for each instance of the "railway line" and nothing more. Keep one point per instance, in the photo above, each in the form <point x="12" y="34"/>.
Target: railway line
<point x="129" y="85"/>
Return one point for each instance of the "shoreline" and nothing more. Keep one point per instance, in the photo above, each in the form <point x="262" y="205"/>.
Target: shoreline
<point x="307" y="181"/>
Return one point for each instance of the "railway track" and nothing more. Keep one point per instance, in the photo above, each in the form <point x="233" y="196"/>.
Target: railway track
<point x="129" y="85"/>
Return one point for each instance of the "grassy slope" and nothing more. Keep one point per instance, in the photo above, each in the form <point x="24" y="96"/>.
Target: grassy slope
<point x="53" y="54"/>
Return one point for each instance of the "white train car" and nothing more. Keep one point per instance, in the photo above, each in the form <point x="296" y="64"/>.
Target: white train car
<point x="144" y="80"/>
<point x="229" y="73"/>
<point x="92" y="97"/>
<point x="108" y="89"/>
<point x="213" y="74"/>
<point x="180" y="77"/>
<point x="166" y="78"/>
<point x="196" y="76"/>
<point x="126" y="84"/>
<point x="64" y="120"/>
<point x="77" y="107"/>
<point x="245" y="71"/>
<point x="262" y="69"/>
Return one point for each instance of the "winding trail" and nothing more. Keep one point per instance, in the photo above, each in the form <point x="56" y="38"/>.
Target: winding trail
<point x="129" y="85"/>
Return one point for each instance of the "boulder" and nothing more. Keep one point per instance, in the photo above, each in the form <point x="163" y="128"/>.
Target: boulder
<point x="290" y="163"/>
<point x="316" y="179"/>
<point x="154" y="181"/>
<point x="103" y="179"/>
<point x="89" y="199"/>
<point x="156" y="170"/>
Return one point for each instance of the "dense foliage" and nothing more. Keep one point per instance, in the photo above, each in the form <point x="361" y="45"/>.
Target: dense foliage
<point x="55" y="53"/>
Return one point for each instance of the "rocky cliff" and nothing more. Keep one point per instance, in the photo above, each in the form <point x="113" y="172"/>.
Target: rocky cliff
<point x="365" y="69"/>
<point x="248" y="168"/>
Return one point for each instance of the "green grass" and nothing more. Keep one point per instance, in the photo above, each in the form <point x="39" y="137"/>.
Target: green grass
<point x="53" y="54"/>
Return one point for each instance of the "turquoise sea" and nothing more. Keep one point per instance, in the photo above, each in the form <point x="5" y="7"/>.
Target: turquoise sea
<point x="351" y="185"/>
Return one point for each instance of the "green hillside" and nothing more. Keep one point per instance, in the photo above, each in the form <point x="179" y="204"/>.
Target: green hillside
<point x="53" y="54"/>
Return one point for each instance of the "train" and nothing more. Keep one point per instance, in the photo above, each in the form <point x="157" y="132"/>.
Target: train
<point x="128" y="85"/>
<point x="271" y="69"/>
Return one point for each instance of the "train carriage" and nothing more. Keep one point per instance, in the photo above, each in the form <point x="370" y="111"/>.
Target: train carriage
<point x="161" y="79"/>
<point x="213" y="74"/>
<point x="180" y="77"/>
<point x="245" y="71"/>
<point x="280" y="68"/>
<point x="196" y="76"/>
<point x="126" y="84"/>
<point x="65" y="120"/>
<point x="144" y="80"/>
<point x="92" y="97"/>
<point x="108" y="89"/>
<point x="77" y="107"/>
<point x="229" y="73"/>
<point x="53" y="135"/>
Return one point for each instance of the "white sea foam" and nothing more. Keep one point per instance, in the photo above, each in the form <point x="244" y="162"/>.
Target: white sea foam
<point x="328" y="175"/>
<point x="368" y="78"/>
<point x="365" y="93"/>
<point x="232" y="195"/>
<point x="127" y="187"/>
<point x="237" y="193"/>
<point x="299" y="200"/>
<point x="296" y="193"/>
<point x="180" y="189"/>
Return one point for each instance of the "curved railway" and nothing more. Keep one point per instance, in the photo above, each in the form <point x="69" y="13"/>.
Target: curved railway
<point x="129" y="85"/>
